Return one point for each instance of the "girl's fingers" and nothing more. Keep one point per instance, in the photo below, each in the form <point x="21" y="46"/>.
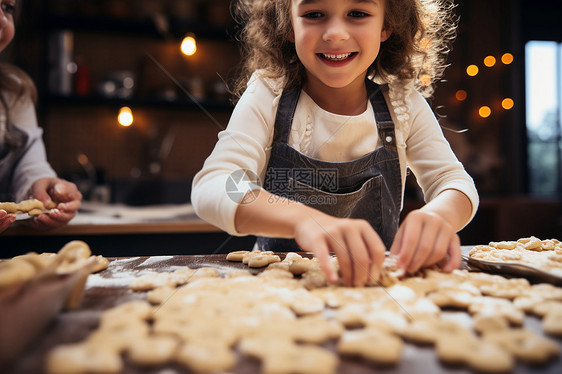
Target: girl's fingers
<point x="441" y="247"/>
<point x="359" y="257"/>
<point x="6" y="220"/>
<point x="55" y="218"/>
<point x="71" y="206"/>
<point x="376" y="250"/>
<point x="425" y="246"/>
<point x="397" y="242"/>
<point x="454" y="259"/>
<point x="409" y="244"/>
<point x="322" y="254"/>
<point x="344" y="259"/>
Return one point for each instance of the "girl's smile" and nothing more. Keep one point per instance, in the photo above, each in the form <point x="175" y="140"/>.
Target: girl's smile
<point x="337" y="59"/>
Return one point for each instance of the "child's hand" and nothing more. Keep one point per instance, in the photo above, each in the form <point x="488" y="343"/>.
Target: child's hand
<point x="425" y="239"/>
<point x="6" y="220"/>
<point x="64" y="194"/>
<point x="359" y="249"/>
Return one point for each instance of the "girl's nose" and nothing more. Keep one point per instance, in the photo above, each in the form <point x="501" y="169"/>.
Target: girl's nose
<point x="335" y="31"/>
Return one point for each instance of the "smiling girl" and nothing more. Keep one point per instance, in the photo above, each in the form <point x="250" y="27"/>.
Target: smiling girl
<point x="330" y="114"/>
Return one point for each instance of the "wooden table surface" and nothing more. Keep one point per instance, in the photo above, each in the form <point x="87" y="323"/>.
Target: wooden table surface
<point x="110" y="288"/>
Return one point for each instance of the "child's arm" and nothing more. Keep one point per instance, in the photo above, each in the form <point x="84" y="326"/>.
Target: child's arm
<point x="428" y="235"/>
<point x="359" y="249"/>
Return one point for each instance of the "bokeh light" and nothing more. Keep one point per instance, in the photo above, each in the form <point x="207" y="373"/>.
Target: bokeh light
<point x="472" y="70"/>
<point x="507" y="103"/>
<point x="507" y="58"/>
<point x="125" y="117"/>
<point x="189" y="45"/>
<point x="425" y="43"/>
<point x="489" y="61"/>
<point x="484" y="111"/>
<point x="461" y="95"/>
<point x="425" y="79"/>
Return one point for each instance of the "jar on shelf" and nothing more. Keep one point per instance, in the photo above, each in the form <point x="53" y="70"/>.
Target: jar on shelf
<point x="62" y="6"/>
<point x="148" y="8"/>
<point x="117" y="8"/>
<point x="181" y="9"/>
<point x="217" y="12"/>
<point x="119" y="84"/>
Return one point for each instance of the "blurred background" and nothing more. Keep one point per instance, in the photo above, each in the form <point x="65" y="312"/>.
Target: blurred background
<point x="132" y="94"/>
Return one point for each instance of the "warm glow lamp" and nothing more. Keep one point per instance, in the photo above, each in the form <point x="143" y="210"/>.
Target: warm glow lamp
<point x="189" y="45"/>
<point x="125" y="117"/>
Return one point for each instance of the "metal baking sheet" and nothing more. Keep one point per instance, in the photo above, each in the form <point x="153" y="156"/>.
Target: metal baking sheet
<point x="514" y="269"/>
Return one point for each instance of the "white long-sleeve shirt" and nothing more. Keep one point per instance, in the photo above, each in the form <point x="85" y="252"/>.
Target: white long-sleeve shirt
<point x="33" y="165"/>
<point x="246" y="142"/>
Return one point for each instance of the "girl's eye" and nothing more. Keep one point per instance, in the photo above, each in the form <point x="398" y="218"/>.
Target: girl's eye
<point x="313" y="15"/>
<point x="357" y="14"/>
<point x="8" y="8"/>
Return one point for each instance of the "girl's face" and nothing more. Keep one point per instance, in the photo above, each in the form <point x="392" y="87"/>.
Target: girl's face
<point x="337" y="40"/>
<point x="7" y="29"/>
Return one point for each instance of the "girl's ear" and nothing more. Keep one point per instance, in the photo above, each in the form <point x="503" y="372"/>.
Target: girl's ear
<point x="385" y="33"/>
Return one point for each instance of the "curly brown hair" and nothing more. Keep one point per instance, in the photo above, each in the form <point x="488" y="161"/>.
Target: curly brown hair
<point x="15" y="84"/>
<point x="422" y="32"/>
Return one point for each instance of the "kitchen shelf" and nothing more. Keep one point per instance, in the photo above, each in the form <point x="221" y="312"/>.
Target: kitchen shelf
<point x="95" y="100"/>
<point x="177" y="27"/>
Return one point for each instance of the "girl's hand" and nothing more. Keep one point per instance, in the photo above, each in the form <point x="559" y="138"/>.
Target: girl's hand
<point x="6" y="220"/>
<point x="64" y="194"/>
<point x="359" y="249"/>
<point x="426" y="239"/>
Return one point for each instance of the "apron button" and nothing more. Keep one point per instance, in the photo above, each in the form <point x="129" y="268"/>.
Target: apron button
<point x="388" y="139"/>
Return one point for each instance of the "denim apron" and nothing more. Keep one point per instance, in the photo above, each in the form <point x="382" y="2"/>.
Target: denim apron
<point x="9" y="158"/>
<point x="369" y="187"/>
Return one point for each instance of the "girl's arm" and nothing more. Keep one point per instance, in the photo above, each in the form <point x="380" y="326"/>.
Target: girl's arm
<point x="33" y="164"/>
<point x="242" y="147"/>
<point x="359" y="249"/>
<point x="428" y="235"/>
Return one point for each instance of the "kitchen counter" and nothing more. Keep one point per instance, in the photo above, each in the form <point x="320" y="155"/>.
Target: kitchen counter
<point x="110" y="287"/>
<point x="120" y="230"/>
<point x="94" y="218"/>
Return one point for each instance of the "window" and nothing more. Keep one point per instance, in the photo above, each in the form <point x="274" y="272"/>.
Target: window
<point x="543" y="82"/>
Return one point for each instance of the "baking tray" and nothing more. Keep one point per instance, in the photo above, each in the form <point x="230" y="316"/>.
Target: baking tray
<point x="27" y="308"/>
<point x="514" y="269"/>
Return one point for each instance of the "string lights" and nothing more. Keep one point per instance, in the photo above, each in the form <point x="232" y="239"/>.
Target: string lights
<point x="472" y="70"/>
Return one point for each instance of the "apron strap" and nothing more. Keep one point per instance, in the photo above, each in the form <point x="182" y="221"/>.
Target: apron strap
<point x="385" y="124"/>
<point x="285" y="115"/>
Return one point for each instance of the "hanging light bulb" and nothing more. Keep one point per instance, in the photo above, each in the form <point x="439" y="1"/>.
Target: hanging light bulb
<point x="189" y="45"/>
<point x="125" y="117"/>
